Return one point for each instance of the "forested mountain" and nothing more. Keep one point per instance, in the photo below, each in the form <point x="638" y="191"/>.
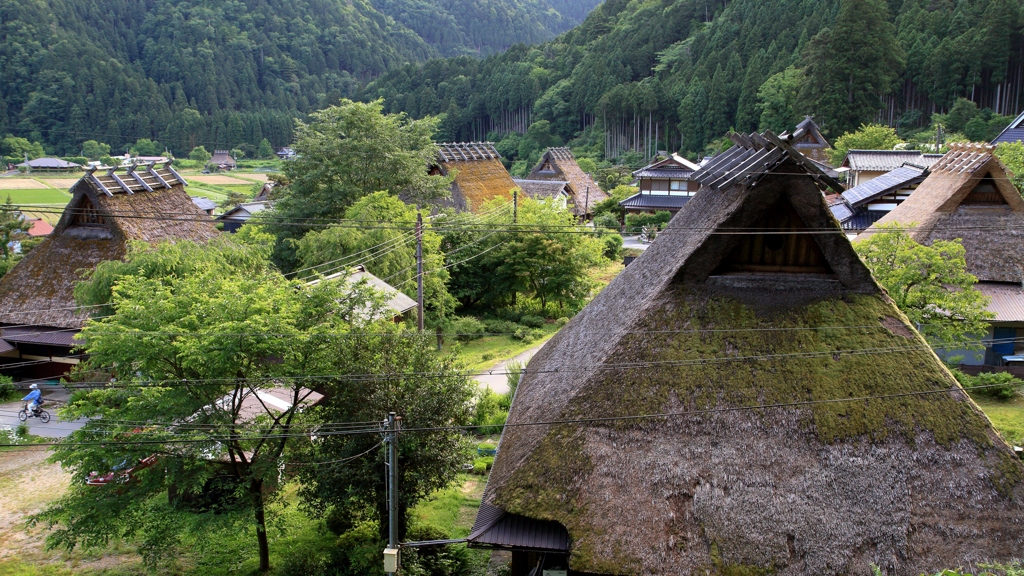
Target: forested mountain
<point x="226" y="72"/>
<point x="640" y="75"/>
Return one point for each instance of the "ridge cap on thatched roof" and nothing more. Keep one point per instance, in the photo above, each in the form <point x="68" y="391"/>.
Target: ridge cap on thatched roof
<point x="583" y="190"/>
<point x="449" y="152"/>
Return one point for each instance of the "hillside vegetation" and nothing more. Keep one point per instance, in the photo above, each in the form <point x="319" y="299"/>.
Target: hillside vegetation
<point x="222" y="72"/>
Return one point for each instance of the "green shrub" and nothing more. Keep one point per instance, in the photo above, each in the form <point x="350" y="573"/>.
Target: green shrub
<point x="495" y="326"/>
<point x="634" y="222"/>
<point x="532" y="321"/>
<point x="561" y="321"/>
<point x="7" y="389"/>
<point x="607" y="221"/>
<point x="998" y="385"/>
<point x="467" y="328"/>
<point x="451" y="560"/>
<point x="77" y="159"/>
<point x="21" y="431"/>
<point x="513" y="373"/>
<point x="494" y="424"/>
<point x="488" y="409"/>
<point x="612" y="246"/>
<point x="486" y="357"/>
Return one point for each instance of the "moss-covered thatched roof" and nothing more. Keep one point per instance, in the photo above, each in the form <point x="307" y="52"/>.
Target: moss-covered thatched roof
<point x="479" y="174"/>
<point x="753" y="328"/>
<point x="97" y="225"/>
<point x="968" y="195"/>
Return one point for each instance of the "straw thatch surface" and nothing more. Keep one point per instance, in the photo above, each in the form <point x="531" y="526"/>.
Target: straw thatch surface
<point x="38" y="291"/>
<point x="560" y="164"/>
<point x="912" y="484"/>
<point x="993" y="235"/>
<point x="479" y="175"/>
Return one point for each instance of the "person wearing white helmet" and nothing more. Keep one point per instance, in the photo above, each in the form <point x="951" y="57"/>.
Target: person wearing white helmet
<point x="35" y="397"/>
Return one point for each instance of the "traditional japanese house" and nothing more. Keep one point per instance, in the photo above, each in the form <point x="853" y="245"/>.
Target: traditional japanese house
<point x="811" y="143"/>
<point x="222" y="160"/>
<point x="50" y="165"/>
<point x="397" y="305"/>
<point x="559" y="164"/>
<point x="861" y="206"/>
<point x="968" y="195"/>
<point x="39" y="317"/>
<point x="235" y="218"/>
<point x="1012" y="133"/>
<point x="553" y="190"/>
<point x="745" y="399"/>
<point x="479" y="175"/>
<point x="204" y="204"/>
<point x="864" y="165"/>
<point x="664" y="185"/>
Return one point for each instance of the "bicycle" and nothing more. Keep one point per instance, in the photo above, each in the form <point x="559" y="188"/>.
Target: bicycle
<point x="24" y="414"/>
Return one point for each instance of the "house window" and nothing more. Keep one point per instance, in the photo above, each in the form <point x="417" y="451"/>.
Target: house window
<point x="86" y="214"/>
<point x="659" y="186"/>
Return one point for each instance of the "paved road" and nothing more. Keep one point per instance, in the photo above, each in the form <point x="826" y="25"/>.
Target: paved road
<point x="634" y="242"/>
<point x="55" y="428"/>
<point x="498" y="381"/>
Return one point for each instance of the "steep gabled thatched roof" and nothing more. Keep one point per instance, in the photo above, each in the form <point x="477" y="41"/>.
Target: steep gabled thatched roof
<point x="479" y="174"/>
<point x="748" y="327"/>
<point x="107" y="210"/>
<point x="968" y="195"/>
<point x="560" y="164"/>
<point x="811" y="143"/>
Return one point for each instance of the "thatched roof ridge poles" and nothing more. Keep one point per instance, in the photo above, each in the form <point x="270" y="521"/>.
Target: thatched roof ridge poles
<point x="120" y="182"/>
<point x="142" y="182"/>
<point x="169" y="168"/>
<point x="153" y="173"/>
<point x="97" y="184"/>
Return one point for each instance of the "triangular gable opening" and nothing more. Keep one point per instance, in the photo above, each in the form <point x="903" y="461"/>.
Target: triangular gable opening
<point x="547" y="168"/>
<point x="985" y="193"/>
<point x="777" y="243"/>
<point x="85" y="213"/>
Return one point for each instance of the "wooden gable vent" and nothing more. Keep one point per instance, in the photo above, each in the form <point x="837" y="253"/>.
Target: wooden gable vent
<point x="984" y="193"/>
<point x="86" y="214"/>
<point x="777" y="243"/>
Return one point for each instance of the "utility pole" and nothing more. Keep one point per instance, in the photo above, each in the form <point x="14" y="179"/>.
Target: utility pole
<point x="515" y="205"/>
<point x="390" y="438"/>
<point x="419" y="270"/>
<point x="586" y="204"/>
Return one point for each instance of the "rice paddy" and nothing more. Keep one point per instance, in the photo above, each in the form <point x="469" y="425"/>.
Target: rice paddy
<point x="35" y="196"/>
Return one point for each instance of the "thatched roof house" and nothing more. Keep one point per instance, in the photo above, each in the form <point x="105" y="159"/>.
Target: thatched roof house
<point x="745" y="399"/>
<point x="559" y="164"/>
<point x="107" y="211"/>
<point x="811" y="143"/>
<point x="222" y="160"/>
<point x="479" y="174"/>
<point x="969" y="196"/>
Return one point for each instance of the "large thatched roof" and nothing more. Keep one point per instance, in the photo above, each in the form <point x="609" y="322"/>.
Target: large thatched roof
<point x="560" y="164"/>
<point x="107" y="210"/>
<point x="753" y="297"/>
<point x="968" y="195"/>
<point x="479" y="174"/>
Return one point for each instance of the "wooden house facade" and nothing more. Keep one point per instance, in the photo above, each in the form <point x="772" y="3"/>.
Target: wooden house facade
<point x="559" y="164"/>
<point x="968" y="196"/>
<point x="663" y="185"/>
<point x="747" y="403"/>
<point x="39" y="317"/>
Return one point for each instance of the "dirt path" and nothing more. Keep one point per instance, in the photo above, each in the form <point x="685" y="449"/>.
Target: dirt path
<point x="27" y="484"/>
<point x="498" y="381"/>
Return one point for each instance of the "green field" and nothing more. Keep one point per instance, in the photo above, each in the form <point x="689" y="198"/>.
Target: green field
<point x="246" y="189"/>
<point x="1007" y="416"/>
<point x="35" y="196"/>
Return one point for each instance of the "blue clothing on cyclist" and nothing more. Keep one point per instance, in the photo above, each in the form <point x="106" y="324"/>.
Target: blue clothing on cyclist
<point x="33" y="396"/>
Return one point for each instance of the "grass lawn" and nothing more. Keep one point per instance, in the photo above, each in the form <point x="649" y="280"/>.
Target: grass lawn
<point x="453" y="510"/>
<point x="36" y="196"/>
<point x="1007" y="416"/>
<point x="246" y="189"/>
<point x="197" y="190"/>
<point x="485" y="352"/>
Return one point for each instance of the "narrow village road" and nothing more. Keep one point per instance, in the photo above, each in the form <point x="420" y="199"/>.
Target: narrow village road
<point x="55" y="428"/>
<point x="634" y="243"/>
<point x="498" y="381"/>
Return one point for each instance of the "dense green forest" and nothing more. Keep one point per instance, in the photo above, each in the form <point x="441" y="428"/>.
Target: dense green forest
<point x="225" y="73"/>
<point x="642" y="75"/>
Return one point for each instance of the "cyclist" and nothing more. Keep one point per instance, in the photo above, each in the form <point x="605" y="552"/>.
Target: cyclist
<point x="35" y="397"/>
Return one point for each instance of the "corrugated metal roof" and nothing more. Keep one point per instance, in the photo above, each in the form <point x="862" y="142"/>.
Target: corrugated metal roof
<point x="1007" y="300"/>
<point x="902" y="177"/>
<point x="38" y="335"/>
<point x="654" y="202"/>
<point x="496" y="528"/>
<point x="5" y="346"/>
<point x="841" y="211"/>
<point x="886" y="160"/>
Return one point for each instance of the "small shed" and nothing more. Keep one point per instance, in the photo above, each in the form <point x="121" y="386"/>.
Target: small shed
<point x="237" y="217"/>
<point x="222" y="160"/>
<point x="559" y="164"/>
<point x="204" y="204"/>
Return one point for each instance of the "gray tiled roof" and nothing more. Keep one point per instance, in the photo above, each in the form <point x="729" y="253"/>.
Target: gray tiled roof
<point x="654" y="202"/>
<point x="663" y="173"/>
<point x="906" y="175"/>
<point x="541" y="188"/>
<point x="1012" y="133"/>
